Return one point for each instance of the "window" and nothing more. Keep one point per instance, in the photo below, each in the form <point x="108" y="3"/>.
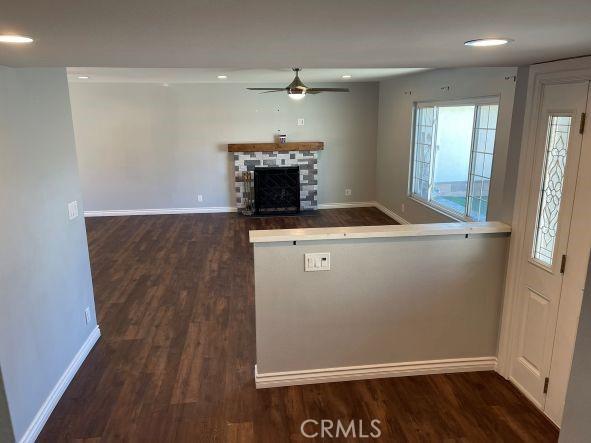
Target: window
<point x="452" y="156"/>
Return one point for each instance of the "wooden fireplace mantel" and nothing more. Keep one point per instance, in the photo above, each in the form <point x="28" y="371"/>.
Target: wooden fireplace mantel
<point x="270" y="147"/>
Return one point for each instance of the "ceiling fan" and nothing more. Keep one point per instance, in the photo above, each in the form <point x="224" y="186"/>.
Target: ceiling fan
<point x="296" y="90"/>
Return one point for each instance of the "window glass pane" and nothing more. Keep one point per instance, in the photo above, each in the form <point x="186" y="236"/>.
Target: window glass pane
<point x="452" y="156"/>
<point x="551" y="190"/>
<point x="424" y="130"/>
<point x="485" y="189"/>
<point x="480" y="142"/>
<point x="482" y="160"/>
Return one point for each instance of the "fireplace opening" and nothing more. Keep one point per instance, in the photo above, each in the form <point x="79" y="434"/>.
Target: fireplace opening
<point x="277" y="190"/>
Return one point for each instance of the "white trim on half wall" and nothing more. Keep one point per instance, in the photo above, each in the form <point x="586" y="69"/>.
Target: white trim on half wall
<point x="328" y="375"/>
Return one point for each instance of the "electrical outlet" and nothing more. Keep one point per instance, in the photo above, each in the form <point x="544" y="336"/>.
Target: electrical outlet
<point x="87" y="315"/>
<point x="317" y="261"/>
<point x="347" y="192"/>
<point x="199" y="198"/>
<point x="300" y="122"/>
<point x="73" y="210"/>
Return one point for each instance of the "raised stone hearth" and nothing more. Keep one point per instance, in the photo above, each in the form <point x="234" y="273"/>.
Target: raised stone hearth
<point x="306" y="160"/>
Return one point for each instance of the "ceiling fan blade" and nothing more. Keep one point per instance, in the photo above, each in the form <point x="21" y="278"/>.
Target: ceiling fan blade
<point x="266" y="89"/>
<point x="266" y="92"/>
<point x="316" y="90"/>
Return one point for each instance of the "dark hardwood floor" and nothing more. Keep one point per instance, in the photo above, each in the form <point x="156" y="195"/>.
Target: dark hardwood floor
<point x="175" y="303"/>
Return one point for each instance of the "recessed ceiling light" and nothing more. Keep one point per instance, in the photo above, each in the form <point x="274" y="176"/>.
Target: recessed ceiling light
<point x="222" y="77"/>
<point x="166" y="85"/>
<point x="346" y="76"/>
<point x="83" y="77"/>
<point x="480" y="42"/>
<point x="15" y="39"/>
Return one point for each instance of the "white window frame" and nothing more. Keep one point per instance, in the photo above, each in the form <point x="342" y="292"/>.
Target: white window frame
<point x="475" y="101"/>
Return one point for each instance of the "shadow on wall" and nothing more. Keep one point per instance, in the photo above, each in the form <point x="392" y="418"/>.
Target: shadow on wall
<point x="6" y="434"/>
<point x="229" y="178"/>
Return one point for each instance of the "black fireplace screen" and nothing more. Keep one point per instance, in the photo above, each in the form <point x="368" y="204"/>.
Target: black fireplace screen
<point x="277" y="190"/>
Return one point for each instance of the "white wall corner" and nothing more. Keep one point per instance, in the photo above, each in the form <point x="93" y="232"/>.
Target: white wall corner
<point x="60" y="387"/>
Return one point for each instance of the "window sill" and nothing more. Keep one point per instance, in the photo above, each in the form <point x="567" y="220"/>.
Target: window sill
<point x="440" y="210"/>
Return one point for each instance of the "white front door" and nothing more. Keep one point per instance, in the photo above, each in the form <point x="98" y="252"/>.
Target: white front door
<point x="550" y="208"/>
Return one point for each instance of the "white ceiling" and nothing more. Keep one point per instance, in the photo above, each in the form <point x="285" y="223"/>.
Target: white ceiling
<point x="200" y="75"/>
<point x="281" y="33"/>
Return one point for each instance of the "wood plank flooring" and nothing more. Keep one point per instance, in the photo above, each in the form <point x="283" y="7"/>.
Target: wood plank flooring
<point x="175" y="303"/>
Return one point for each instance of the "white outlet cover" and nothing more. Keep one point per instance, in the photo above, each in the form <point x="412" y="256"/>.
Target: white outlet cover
<point x="199" y="198"/>
<point x="317" y="261"/>
<point x="73" y="210"/>
<point x="300" y="122"/>
<point x="87" y="315"/>
<point x="347" y="192"/>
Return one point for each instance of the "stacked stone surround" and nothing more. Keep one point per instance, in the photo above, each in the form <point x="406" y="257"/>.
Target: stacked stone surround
<point x="306" y="160"/>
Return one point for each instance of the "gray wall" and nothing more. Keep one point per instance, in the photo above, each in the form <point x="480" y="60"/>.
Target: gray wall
<point x="45" y="281"/>
<point x="145" y="146"/>
<point x="395" y="132"/>
<point x="576" y="425"/>
<point x="376" y="305"/>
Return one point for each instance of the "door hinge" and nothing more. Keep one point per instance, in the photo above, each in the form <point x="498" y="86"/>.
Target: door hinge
<point x="546" y="382"/>
<point x="563" y="264"/>
<point x="583" y="118"/>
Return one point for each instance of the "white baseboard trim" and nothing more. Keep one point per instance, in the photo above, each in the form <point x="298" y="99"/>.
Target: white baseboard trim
<point x="206" y="210"/>
<point x="58" y="390"/>
<point x="391" y="214"/>
<point x="164" y="211"/>
<point x="329" y="375"/>
<point x="369" y="204"/>
<point x="214" y="209"/>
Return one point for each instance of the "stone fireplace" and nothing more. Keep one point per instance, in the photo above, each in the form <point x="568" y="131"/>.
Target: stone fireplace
<point x="288" y="154"/>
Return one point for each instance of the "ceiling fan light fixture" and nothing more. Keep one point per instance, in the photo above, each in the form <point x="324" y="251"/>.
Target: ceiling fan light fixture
<point x="297" y="90"/>
<point x="297" y="95"/>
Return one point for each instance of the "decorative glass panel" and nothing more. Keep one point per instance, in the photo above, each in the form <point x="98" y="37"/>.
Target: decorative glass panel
<point x="551" y="190"/>
<point x="482" y="156"/>
<point x="423" y="152"/>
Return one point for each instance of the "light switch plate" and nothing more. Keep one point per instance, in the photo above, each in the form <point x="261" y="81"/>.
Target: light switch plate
<point x="317" y="261"/>
<point x="73" y="210"/>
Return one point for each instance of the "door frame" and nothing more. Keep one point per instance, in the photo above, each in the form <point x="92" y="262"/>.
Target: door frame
<point x="559" y="72"/>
